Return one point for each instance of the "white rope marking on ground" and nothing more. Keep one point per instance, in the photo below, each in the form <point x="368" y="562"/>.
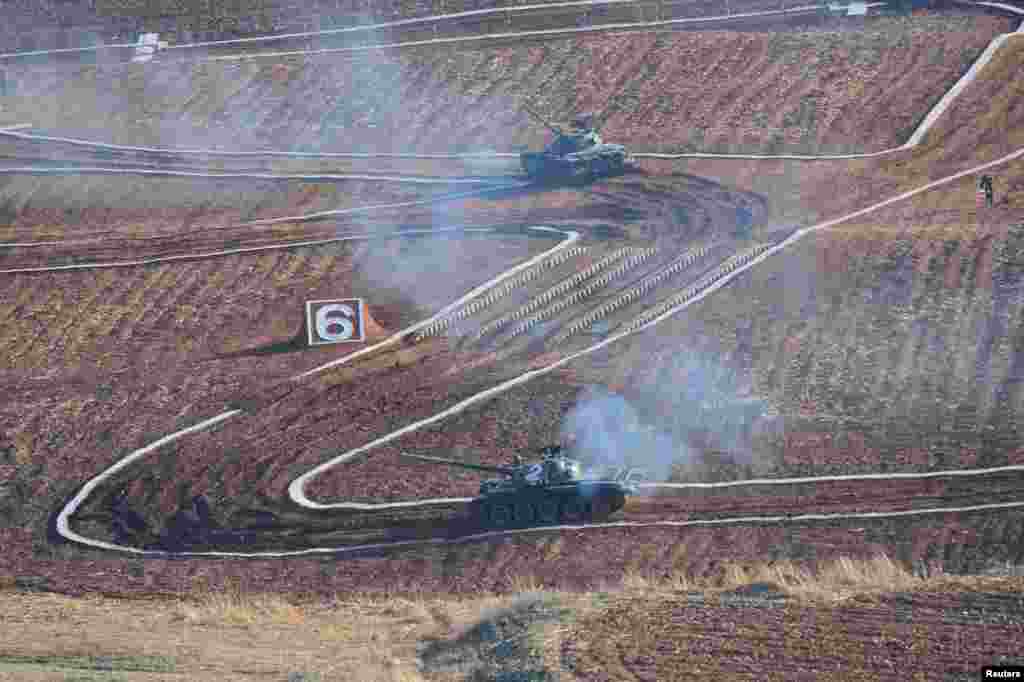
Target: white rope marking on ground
<point x="406" y="22"/>
<point x="915" y="138"/>
<point x="231" y="153"/>
<point x="955" y="91"/>
<point x="476" y="537"/>
<point x="295" y="489"/>
<point x="316" y="177"/>
<point x="383" y="155"/>
<point x="600" y="282"/>
<point x="269" y="221"/>
<point x="553" y="292"/>
<point x="906" y="475"/>
<point x="67" y="50"/>
<point x="229" y="252"/>
<point x="599" y="28"/>
<point x="496" y="293"/>
<point x="688" y="258"/>
<point x="333" y="31"/>
<point x="297" y="494"/>
<point x="63" y="526"/>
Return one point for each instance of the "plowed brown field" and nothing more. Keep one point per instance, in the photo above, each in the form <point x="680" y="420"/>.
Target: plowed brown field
<point x="815" y="92"/>
<point x="873" y="354"/>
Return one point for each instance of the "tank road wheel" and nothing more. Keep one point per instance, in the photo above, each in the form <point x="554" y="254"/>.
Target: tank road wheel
<point x="524" y="513"/>
<point x="573" y="510"/>
<point x="547" y="511"/>
<point x="600" y="509"/>
<point x="600" y="168"/>
<point x="498" y="515"/>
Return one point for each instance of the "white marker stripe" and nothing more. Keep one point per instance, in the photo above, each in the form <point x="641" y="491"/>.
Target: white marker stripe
<point x="598" y="28"/>
<point x="295" y="489"/>
<point x="325" y="32"/>
<point x="269" y="221"/>
<point x="227" y="252"/>
<point x="412" y="179"/>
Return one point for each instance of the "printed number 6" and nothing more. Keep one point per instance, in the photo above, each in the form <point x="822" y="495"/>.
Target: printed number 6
<point x="334" y="315"/>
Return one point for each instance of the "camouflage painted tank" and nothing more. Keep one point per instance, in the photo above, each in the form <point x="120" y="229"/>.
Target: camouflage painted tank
<point x="579" y="155"/>
<point x="550" y="491"/>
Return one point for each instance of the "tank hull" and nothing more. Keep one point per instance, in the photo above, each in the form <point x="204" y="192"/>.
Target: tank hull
<point x="581" y="502"/>
<point x="580" y="167"/>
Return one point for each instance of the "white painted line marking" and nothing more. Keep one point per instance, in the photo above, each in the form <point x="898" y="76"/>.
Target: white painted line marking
<point x="598" y="28"/>
<point x="315" y="177"/>
<point x="295" y="489"/>
<point x="270" y="221"/>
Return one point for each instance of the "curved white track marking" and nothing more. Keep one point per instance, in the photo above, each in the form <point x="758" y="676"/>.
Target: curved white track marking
<point x="234" y="153"/>
<point x="64" y="529"/>
<point x="9" y="131"/>
<point x="947" y="473"/>
<point x="997" y="5"/>
<point x="296" y="488"/>
<point x="407" y="22"/>
<point x="68" y="50"/>
<point x="914" y="139"/>
<point x="62" y="519"/>
<point x="298" y="495"/>
<point x="317" y="177"/>
<point x="953" y="92"/>
<point x="229" y="252"/>
<point x="597" y="28"/>
<point x="269" y="221"/>
<point x="334" y="31"/>
<point x="400" y="544"/>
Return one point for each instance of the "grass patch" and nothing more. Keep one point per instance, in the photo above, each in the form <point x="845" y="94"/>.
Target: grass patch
<point x="156" y="664"/>
<point x="836" y="581"/>
<point x="234" y="607"/>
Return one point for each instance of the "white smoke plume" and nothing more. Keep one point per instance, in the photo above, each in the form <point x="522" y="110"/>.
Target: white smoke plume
<point x="680" y="408"/>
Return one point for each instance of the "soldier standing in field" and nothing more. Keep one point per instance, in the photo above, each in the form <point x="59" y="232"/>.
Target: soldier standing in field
<point x="985" y="185"/>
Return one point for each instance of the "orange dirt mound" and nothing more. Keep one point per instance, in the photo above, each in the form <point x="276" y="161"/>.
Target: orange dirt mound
<point x="372" y="328"/>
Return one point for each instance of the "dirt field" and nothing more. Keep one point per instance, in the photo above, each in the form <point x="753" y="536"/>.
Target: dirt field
<point x="683" y="626"/>
<point x="820" y="92"/>
<point x="889" y="344"/>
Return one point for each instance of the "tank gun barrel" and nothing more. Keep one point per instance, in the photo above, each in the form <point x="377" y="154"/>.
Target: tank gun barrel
<point x="537" y="117"/>
<point x="505" y="471"/>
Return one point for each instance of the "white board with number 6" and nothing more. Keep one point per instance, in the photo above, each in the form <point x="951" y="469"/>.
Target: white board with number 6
<point x="335" y="321"/>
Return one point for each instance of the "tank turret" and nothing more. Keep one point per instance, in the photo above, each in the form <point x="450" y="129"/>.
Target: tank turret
<point x="549" y="491"/>
<point x="579" y="154"/>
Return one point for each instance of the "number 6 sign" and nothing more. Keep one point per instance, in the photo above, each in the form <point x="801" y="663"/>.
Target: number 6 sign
<point x="334" y="321"/>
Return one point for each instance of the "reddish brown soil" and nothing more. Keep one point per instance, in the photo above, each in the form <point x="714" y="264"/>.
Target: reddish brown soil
<point x="69" y="428"/>
<point x="683" y="637"/>
<point x="140" y="217"/>
<point x="574" y="560"/>
<point x="840" y="91"/>
<point x="816" y="93"/>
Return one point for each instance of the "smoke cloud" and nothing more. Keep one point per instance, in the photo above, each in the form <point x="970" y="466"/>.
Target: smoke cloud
<point x="685" y="413"/>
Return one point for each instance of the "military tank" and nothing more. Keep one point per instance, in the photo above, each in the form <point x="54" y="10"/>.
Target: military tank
<point x="550" y="491"/>
<point x="579" y="155"/>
